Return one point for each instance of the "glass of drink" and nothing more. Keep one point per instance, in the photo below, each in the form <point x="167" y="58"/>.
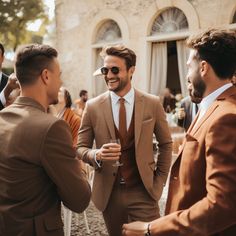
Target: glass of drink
<point x="117" y="163"/>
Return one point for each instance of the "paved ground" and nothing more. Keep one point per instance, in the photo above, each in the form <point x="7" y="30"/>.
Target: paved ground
<point x="95" y="220"/>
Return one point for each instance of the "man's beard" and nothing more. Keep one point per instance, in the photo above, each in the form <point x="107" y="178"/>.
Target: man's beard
<point x="120" y="86"/>
<point x="199" y="88"/>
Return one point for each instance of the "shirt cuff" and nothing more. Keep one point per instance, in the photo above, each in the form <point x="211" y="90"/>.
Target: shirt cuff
<point x="2" y="98"/>
<point x="99" y="163"/>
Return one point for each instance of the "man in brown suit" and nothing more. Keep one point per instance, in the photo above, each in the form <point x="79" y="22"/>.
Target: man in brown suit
<point x="129" y="192"/>
<point x="38" y="165"/>
<point x="202" y="190"/>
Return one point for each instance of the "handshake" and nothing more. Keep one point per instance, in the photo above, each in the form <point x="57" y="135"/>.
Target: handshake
<point x="137" y="228"/>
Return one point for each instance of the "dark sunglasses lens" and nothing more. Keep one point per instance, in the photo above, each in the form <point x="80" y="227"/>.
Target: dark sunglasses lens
<point x="115" y="70"/>
<point x="104" y="70"/>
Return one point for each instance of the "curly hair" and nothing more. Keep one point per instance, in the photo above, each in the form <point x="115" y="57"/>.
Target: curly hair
<point x="218" y="48"/>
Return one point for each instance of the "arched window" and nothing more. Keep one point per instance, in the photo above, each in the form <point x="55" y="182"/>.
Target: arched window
<point x="170" y="71"/>
<point x="109" y="31"/>
<point x="170" y="20"/>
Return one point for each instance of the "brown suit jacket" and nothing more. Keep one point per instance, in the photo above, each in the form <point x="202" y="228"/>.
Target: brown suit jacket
<point x="202" y="190"/>
<point x="38" y="169"/>
<point x="97" y="124"/>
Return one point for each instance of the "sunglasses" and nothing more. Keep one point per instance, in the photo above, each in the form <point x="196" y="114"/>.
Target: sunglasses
<point x="115" y="70"/>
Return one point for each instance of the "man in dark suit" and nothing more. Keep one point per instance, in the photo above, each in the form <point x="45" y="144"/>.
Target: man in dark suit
<point x="131" y="191"/>
<point x="3" y="79"/>
<point x="188" y="109"/>
<point x="38" y="164"/>
<point x="7" y="84"/>
<point x="202" y="189"/>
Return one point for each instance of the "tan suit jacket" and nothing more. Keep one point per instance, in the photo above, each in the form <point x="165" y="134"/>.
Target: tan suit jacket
<point x="38" y="169"/>
<point x="203" y="179"/>
<point x="97" y="124"/>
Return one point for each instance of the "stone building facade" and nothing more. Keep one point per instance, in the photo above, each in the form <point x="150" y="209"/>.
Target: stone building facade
<point x="155" y="29"/>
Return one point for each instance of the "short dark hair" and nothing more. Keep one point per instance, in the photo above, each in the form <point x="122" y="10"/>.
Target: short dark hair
<point x="31" y="60"/>
<point x="83" y="92"/>
<point x="218" y="48"/>
<point x="67" y="97"/>
<point x="2" y="49"/>
<point x="120" y="51"/>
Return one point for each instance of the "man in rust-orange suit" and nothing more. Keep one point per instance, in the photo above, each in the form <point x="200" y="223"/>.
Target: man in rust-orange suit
<point x="202" y="190"/>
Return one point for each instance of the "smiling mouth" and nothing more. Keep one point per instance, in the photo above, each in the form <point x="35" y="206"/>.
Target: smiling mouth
<point x="112" y="80"/>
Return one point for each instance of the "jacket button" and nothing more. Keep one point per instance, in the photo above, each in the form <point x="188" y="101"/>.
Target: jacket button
<point x="175" y="178"/>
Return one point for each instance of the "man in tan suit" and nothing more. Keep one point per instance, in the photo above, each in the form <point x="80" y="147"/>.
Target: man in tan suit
<point x="202" y="190"/>
<point x="38" y="165"/>
<point x="129" y="192"/>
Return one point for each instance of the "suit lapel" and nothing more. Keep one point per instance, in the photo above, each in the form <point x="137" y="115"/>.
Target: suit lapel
<point x="195" y="127"/>
<point x="227" y="93"/>
<point x="138" y="115"/>
<point x="107" y="113"/>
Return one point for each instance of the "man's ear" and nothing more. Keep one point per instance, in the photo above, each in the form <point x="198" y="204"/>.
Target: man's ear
<point x="204" y="68"/>
<point x="45" y="76"/>
<point x="131" y="71"/>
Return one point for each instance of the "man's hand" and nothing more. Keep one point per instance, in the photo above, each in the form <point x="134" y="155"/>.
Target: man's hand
<point x="11" y="85"/>
<point x="137" y="228"/>
<point x="109" y="152"/>
<point x="181" y="113"/>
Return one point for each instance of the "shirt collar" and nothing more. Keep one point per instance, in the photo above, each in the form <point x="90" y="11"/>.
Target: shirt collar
<point x="208" y="100"/>
<point x="129" y="97"/>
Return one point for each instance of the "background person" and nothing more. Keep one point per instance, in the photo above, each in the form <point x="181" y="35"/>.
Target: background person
<point x="188" y="109"/>
<point x="80" y="103"/>
<point x="65" y="112"/>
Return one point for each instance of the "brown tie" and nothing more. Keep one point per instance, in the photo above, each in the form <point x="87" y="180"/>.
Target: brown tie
<point x="122" y="119"/>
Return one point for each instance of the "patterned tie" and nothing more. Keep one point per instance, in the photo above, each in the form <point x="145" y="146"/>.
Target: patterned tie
<point x="122" y="119"/>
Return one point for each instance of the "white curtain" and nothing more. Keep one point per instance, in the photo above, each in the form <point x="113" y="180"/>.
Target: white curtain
<point x="158" y="68"/>
<point x="99" y="83"/>
<point x="182" y="52"/>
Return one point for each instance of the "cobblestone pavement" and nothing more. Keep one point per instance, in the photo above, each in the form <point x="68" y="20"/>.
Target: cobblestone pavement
<point x="95" y="220"/>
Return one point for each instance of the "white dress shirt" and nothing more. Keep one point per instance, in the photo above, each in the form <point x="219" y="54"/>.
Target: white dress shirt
<point x="208" y="100"/>
<point x="129" y="107"/>
<point x="0" y="77"/>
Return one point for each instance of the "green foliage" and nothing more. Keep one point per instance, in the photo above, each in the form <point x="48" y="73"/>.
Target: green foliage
<point x="14" y="17"/>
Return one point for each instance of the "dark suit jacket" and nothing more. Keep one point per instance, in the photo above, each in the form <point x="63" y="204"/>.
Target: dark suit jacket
<point x="97" y="123"/>
<point x="38" y="169"/>
<point x="2" y="86"/>
<point x="202" y="190"/>
<point x="187" y="104"/>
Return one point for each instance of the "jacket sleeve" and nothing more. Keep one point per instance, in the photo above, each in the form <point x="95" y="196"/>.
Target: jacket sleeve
<point x="59" y="160"/>
<point x="216" y="211"/>
<point x="162" y="133"/>
<point x="86" y="138"/>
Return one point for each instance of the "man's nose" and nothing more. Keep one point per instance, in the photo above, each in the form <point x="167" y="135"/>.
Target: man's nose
<point x="110" y="75"/>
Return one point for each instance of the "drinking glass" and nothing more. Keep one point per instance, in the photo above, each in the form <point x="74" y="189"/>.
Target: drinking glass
<point x="117" y="163"/>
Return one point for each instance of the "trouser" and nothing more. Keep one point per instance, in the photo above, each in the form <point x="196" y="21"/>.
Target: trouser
<point x="127" y="205"/>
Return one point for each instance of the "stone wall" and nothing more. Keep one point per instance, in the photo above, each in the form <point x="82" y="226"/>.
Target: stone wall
<point x="78" y="20"/>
